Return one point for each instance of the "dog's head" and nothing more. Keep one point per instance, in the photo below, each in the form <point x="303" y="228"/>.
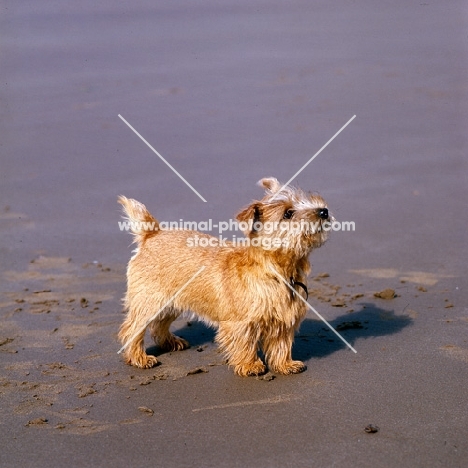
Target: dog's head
<point x="286" y="218"/>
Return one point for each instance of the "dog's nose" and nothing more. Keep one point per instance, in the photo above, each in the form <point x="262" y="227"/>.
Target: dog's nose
<point x="323" y="213"/>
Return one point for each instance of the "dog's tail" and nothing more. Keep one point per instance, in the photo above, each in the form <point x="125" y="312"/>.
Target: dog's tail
<point x="138" y="219"/>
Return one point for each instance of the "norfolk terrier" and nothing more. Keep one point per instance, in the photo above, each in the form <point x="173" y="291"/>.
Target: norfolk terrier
<point x="249" y="291"/>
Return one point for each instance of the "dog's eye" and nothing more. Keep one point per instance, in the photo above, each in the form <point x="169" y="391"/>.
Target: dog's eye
<point x="288" y="214"/>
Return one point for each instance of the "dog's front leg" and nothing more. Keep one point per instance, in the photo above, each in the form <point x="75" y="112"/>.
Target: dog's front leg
<point x="239" y="342"/>
<point x="277" y="344"/>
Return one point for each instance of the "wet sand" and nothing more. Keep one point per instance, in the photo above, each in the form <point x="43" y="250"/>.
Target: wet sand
<point x="228" y="94"/>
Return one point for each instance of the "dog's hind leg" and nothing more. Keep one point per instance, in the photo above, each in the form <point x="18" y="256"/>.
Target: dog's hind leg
<point x="159" y="329"/>
<point x="131" y="335"/>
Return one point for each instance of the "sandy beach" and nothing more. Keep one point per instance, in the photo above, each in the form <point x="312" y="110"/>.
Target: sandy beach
<point x="228" y="93"/>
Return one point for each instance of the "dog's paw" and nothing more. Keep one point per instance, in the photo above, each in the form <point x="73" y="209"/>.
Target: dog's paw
<point x="291" y="367"/>
<point x="174" y="343"/>
<point x="143" y="362"/>
<point x="252" y="369"/>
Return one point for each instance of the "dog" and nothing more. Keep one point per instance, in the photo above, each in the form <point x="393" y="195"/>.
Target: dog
<point x="249" y="291"/>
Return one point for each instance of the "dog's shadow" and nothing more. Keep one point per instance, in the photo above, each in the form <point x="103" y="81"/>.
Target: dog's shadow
<point x="314" y="339"/>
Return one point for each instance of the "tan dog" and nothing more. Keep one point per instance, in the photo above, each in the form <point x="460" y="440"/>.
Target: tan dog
<point x="237" y="288"/>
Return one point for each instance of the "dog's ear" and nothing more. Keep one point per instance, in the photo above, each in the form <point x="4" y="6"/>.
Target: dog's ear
<point x="250" y="215"/>
<point x="270" y="184"/>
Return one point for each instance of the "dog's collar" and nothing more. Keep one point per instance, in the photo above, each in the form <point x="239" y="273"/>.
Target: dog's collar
<point x="298" y="283"/>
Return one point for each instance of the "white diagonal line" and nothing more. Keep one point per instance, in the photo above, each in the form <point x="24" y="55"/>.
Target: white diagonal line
<point x="157" y="154"/>
<point x="162" y="308"/>
<point x="315" y="155"/>
<point x="313" y="310"/>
